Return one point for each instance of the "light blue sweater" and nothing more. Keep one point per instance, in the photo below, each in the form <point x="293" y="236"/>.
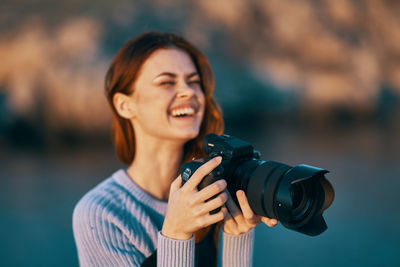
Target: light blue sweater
<point x="119" y="224"/>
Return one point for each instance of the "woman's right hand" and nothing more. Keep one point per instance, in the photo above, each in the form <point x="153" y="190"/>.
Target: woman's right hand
<point x="188" y="210"/>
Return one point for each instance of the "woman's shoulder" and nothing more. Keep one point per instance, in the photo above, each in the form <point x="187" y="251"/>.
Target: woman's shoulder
<point x="117" y="200"/>
<point x="115" y="204"/>
<point x="108" y="196"/>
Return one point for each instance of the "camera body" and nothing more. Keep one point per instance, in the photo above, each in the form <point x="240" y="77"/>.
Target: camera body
<point x="296" y="196"/>
<point x="233" y="152"/>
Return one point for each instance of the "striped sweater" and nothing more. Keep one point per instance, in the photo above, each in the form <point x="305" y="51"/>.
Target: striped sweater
<point x="119" y="224"/>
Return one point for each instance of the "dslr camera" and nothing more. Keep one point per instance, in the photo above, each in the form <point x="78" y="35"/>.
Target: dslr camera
<point x="296" y="196"/>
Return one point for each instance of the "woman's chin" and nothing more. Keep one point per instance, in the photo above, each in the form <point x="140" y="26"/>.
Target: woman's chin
<point x="190" y="135"/>
<point x="186" y="134"/>
<point x="185" y="129"/>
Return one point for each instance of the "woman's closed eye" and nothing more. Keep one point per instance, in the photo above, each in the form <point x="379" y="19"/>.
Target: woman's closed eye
<point x="167" y="83"/>
<point x="194" y="82"/>
<point x="170" y="83"/>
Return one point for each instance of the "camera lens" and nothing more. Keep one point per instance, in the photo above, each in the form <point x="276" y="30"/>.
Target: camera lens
<point x="296" y="196"/>
<point x="302" y="197"/>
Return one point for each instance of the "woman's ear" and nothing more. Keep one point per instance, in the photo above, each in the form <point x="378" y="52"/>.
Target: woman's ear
<point x="124" y="105"/>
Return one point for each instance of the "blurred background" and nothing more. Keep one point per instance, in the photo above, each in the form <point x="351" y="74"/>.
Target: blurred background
<point x="304" y="81"/>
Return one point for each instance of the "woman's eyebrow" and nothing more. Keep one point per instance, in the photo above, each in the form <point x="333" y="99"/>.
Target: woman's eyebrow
<point x="173" y="75"/>
<point x="192" y="74"/>
<point x="170" y="74"/>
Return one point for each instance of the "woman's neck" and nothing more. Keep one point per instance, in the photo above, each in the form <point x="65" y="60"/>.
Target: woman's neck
<point x="155" y="165"/>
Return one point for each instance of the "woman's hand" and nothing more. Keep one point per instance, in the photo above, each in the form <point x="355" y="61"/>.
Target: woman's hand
<point x="188" y="210"/>
<point x="239" y="221"/>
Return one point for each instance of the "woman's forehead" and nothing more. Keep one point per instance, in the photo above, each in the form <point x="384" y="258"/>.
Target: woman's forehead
<point x="169" y="60"/>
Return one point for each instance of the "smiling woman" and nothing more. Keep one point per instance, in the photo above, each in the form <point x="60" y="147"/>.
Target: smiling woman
<point x="168" y="85"/>
<point x="160" y="89"/>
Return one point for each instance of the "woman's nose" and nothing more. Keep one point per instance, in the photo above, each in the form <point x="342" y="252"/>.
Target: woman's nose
<point x="185" y="91"/>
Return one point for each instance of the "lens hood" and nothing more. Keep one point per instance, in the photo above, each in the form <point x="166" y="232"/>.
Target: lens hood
<point x="274" y="183"/>
<point x="318" y="196"/>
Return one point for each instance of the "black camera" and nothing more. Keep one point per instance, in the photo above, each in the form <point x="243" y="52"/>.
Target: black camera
<point x="296" y="196"/>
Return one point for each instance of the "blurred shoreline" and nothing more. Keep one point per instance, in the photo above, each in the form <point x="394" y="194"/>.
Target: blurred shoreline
<point x="330" y="63"/>
<point x="362" y="140"/>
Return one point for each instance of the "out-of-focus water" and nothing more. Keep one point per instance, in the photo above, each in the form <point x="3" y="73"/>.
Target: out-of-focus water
<point x="39" y="190"/>
<point x="363" y="219"/>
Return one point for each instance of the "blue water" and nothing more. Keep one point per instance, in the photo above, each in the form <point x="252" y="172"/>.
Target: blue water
<point x="39" y="190"/>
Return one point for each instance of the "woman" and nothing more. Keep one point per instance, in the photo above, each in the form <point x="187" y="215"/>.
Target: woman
<point x="160" y="88"/>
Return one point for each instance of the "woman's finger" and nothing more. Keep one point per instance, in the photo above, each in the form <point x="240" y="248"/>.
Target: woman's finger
<point x="202" y="171"/>
<point x="269" y="222"/>
<point x="175" y="185"/>
<point x="234" y="210"/>
<point x="245" y="206"/>
<point x="229" y="222"/>
<point x="228" y="217"/>
<point x="214" y="203"/>
<point x="211" y="190"/>
<point x="214" y="218"/>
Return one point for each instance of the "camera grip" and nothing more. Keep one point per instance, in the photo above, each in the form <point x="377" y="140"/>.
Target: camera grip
<point x="189" y="168"/>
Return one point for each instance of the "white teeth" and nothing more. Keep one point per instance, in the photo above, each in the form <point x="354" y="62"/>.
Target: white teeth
<point x="182" y="111"/>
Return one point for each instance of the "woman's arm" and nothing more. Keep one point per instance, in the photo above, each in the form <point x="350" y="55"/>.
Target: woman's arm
<point x="101" y="243"/>
<point x="103" y="237"/>
<point x="238" y="232"/>
<point x="188" y="211"/>
<point x="237" y="250"/>
<point x="173" y="252"/>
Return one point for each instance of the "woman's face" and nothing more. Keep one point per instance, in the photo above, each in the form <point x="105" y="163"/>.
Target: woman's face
<point x="167" y="97"/>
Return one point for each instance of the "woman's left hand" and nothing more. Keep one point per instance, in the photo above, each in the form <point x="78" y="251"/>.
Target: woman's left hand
<point x="241" y="220"/>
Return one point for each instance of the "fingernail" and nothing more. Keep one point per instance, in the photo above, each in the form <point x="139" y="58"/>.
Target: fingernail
<point x="240" y="192"/>
<point x="224" y="210"/>
<point x="218" y="159"/>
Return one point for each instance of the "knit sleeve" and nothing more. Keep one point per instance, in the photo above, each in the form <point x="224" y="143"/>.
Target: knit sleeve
<point x="172" y="252"/>
<point x="101" y="243"/>
<point x="237" y="250"/>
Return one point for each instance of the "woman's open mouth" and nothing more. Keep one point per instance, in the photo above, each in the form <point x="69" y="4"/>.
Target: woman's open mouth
<point x="185" y="113"/>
